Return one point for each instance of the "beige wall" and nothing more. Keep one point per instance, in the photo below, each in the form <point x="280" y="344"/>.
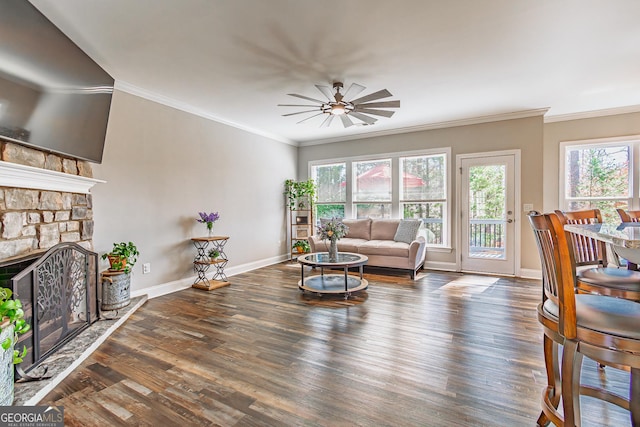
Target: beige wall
<point x="578" y="130"/>
<point x="163" y="166"/>
<point x="523" y="134"/>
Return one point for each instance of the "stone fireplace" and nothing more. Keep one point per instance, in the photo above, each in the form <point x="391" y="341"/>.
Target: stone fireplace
<point x="44" y="200"/>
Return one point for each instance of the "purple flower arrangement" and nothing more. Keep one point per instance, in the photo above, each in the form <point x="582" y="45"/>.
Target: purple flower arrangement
<point x="208" y="219"/>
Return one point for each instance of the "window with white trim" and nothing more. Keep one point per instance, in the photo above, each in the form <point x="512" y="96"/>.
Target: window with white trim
<point x="600" y="174"/>
<point x="331" y="189"/>
<point x="399" y="185"/>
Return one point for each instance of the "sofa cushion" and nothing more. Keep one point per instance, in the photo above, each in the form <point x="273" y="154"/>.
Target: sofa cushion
<point x="384" y="247"/>
<point x="384" y="229"/>
<point x="358" y="228"/>
<point x="407" y="230"/>
<point x="346" y="245"/>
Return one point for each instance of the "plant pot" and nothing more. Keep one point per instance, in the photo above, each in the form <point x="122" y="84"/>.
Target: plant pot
<point x="116" y="290"/>
<point x="6" y="368"/>
<point x="117" y="260"/>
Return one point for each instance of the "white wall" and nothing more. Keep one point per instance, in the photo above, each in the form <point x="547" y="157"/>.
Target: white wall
<point x="163" y="166"/>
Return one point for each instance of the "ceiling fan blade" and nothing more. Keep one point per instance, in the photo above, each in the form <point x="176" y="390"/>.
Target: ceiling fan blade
<point x="327" y="121"/>
<point x="298" y="105"/>
<point x="368" y="120"/>
<point x="326" y="91"/>
<point x="300" y="112"/>
<point x="353" y="90"/>
<point x="306" y="97"/>
<point x="375" y="95"/>
<point x="383" y="113"/>
<point x="310" y="117"/>
<point x="346" y="121"/>
<point x="383" y="104"/>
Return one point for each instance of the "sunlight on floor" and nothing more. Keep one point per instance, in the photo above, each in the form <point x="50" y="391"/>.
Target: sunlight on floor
<point x="467" y="285"/>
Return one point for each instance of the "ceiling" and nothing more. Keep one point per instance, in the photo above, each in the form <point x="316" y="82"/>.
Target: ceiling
<point x="447" y="61"/>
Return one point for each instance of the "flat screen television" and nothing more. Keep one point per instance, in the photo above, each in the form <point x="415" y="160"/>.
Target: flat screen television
<point x="53" y="96"/>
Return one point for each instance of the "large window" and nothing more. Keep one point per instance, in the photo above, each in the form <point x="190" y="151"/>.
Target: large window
<point x="372" y="189"/>
<point x="331" y="182"/>
<point x="600" y="175"/>
<point x="402" y="185"/>
<point x="423" y="194"/>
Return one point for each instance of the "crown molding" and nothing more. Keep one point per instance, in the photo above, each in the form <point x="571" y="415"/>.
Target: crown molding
<point x="22" y="176"/>
<point x="592" y="114"/>
<point x="183" y="106"/>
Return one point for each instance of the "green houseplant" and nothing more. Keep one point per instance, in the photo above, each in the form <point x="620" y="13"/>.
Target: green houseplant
<point x="299" y="193"/>
<point x="12" y="324"/>
<point x="301" y="246"/>
<point x="213" y="253"/>
<point x="122" y="257"/>
<point x="12" y="314"/>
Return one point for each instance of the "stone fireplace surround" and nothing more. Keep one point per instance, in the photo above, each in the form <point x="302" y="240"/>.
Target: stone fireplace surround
<point x="45" y="200"/>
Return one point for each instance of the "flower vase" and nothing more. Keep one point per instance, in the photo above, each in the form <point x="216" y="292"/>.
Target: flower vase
<point x="333" y="250"/>
<point x="210" y="230"/>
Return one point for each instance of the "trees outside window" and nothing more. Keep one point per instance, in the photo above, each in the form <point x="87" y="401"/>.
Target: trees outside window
<point x="598" y="175"/>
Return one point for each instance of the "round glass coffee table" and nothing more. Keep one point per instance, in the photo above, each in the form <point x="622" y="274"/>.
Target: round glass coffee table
<point x="333" y="283"/>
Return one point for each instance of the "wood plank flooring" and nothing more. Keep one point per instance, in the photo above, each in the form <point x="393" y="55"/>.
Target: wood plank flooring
<point x="444" y="350"/>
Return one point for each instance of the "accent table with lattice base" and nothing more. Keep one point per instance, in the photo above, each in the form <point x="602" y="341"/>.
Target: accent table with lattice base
<point x="202" y="262"/>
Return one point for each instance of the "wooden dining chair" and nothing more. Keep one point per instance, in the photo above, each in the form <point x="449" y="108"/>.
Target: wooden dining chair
<point x="600" y="279"/>
<point x="603" y="328"/>
<point x="628" y="216"/>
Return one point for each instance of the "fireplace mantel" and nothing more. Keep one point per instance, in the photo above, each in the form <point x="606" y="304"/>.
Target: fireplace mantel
<point x="21" y="176"/>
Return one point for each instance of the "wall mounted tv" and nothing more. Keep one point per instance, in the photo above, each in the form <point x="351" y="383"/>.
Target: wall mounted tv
<point x="52" y="95"/>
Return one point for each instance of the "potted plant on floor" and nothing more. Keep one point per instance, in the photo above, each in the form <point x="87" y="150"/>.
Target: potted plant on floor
<point x="301" y="246"/>
<point x="12" y="324"/>
<point x="122" y="257"/>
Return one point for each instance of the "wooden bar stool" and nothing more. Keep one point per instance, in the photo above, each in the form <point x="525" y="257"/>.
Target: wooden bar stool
<point x="603" y="328"/>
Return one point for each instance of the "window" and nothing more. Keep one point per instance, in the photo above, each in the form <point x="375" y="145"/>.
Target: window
<point x="331" y="182"/>
<point x="372" y="189"/>
<point x="599" y="175"/>
<point x="423" y="194"/>
<point x="400" y="185"/>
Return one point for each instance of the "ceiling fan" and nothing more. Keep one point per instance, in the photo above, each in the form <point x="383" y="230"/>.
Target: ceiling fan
<point x="344" y="106"/>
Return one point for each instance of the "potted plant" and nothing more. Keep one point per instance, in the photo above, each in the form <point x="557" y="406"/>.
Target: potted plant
<point x="301" y="246"/>
<point x="12" y="324"/>
<point x="299" y="193"/>
<point x="122" y="257"/>
<point x="213" y="254"/>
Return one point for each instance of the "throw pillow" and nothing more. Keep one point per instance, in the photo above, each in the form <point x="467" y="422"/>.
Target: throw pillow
<point x="407" y="230"/>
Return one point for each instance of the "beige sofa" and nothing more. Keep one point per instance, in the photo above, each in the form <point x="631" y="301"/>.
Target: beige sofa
<point x="381" y="242"/>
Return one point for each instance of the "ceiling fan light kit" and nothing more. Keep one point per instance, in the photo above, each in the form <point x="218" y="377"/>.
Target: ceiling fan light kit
<point x="343" y="106"/>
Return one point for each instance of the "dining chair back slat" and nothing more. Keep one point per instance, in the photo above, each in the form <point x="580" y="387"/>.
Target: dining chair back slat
<point x="628" y="216"/>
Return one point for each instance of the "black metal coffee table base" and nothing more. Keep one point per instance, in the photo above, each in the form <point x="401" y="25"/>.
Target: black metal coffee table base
<point x="333" y="283"/>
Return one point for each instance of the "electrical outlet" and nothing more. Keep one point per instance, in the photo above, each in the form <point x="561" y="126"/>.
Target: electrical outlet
<point x="527" y="207"/>
<point x="146" y="268"/>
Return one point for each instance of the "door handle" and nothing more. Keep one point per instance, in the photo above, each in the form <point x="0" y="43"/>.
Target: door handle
<point x="509" y="221"/>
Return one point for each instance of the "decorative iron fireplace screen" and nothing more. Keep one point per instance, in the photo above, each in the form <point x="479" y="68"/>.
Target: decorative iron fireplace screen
<point x="59" y="297"/>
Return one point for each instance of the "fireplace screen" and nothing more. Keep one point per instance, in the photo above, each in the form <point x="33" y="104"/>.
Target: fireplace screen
<point x="59" y="298"/>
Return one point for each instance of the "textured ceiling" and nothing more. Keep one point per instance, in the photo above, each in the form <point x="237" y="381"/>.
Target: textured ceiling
<point x="444" y="60"/>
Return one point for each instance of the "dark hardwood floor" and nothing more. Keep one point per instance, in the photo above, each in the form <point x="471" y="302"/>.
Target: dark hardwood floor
<point x="444" y="350"/>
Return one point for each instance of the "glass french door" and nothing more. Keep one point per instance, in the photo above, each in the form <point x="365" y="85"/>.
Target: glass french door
<point x="487" y="214"/>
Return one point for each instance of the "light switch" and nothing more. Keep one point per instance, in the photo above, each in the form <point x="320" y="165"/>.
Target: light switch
<point x="527" y="207"/>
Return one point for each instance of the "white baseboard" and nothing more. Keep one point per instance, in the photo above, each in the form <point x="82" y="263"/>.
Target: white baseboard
<point x="178" y="285"/>
<point x="439" y="265"/>
<point x="527" y="273"/>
